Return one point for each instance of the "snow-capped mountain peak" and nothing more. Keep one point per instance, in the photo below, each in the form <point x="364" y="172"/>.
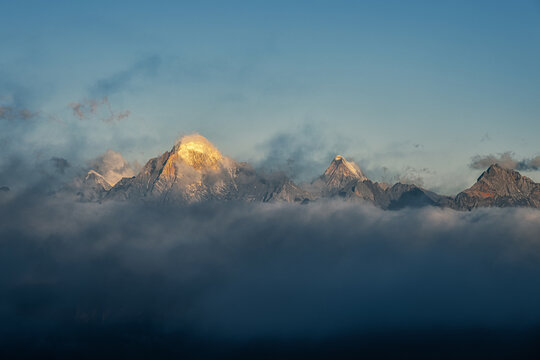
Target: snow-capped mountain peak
<point x="199" y="153"/>
<point x="341" y="172"/>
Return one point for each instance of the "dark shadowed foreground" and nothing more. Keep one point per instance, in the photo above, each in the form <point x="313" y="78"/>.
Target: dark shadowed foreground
<point x="230" y="280"/>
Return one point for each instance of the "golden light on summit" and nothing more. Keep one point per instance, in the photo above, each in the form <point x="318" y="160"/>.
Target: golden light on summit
<point x="198" y="152"/>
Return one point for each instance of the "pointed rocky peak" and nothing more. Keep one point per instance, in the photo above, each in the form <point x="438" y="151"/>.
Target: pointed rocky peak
<point x="341" y="172"/>
<point x="499" y="186"/>
<point x="341" y="168"/>
<point x="503" y="180"/>
<point x="347" y="168"/>
<point x="496" y="170"/>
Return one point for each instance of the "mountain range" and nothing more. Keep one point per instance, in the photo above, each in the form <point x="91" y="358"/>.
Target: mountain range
<point x="194" y="170"/>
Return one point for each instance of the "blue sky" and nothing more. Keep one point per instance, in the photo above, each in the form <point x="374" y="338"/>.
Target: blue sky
<point x="402" y="87"/>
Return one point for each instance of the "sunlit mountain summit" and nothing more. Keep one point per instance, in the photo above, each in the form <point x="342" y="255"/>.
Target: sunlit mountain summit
<point x="194" y="170"/>
<point x="196" y="151"/>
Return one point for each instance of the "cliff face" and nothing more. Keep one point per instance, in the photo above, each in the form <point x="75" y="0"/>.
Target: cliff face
<point x="500" y="187"/>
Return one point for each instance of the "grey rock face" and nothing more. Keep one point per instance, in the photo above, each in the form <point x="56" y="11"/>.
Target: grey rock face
<point x="500" y="187"/>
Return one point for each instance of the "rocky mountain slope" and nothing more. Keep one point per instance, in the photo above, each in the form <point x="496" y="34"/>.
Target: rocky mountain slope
<point x="500" y="187"/>
<point x="344" y="179"/>
<point x="194" y="171"/>
<point x="339" y="174"/>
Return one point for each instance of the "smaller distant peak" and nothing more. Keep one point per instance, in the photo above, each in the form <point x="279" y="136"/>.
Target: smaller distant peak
<point x="344" y="169"/>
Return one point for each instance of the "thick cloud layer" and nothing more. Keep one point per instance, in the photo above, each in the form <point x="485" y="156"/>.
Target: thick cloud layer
<point x="235" y="280"/>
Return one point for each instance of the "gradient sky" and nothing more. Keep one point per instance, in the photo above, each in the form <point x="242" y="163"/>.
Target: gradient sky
<point x="417" y="87"/>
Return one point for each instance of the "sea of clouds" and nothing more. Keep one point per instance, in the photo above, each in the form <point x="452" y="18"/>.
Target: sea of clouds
<point x="231" y="280"/>
<point x="250" y="280"/>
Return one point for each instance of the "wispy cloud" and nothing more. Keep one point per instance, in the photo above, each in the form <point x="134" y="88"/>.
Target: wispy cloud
<point x="507" y="160"/>
<point x="409" y="175"/>
<point x="97" y="109"/>
<point x="12" y="113"/>
<point x="122" y="80"/>
<point x="98" y="105"/>
<point x="302" y="154"/>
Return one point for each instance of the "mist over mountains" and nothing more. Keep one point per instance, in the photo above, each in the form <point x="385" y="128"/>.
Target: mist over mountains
<point x="194" y="171"/>
<point x="201" y="257"/>
<point x="367" y="186"/>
